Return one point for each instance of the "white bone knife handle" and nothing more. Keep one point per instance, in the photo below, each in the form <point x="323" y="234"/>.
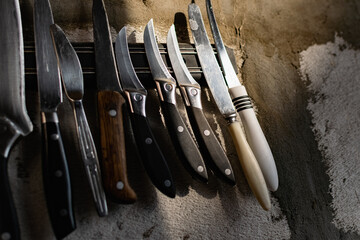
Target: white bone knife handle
<point x="255" y="136"/>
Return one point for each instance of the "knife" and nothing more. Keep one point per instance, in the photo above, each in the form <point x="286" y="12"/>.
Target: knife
<point x="166" y="87"/>
<point x="150" y="152"/>
<point x="191" y="93"/>
<point x="56" y="175"/>
<point x="241" y="100"/>
<point x="217" y="86"/>
<point x="14" y="120"/>
<point x="72" y="78"/>
<point x="110" y="107"/>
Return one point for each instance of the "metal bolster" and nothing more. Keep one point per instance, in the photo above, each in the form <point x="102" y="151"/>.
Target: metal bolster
<point x="231" y="118"/>
<point x="193" y="95"/>
<point x="166" y="89"/>
<point x="9" y="133"/>
<point x="137" y="102"/>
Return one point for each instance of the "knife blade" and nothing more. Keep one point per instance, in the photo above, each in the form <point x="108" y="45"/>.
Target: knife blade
<point x="216" y="83"/>
<point x="166" y="87"/>
<point x="110" y="107"/>
<point x="56" y="175"/>
<point x="152" y="157"/>
<point x="241" y="100"/>
<point x="14" y="120"/>
<point x="72" y="78"/>
<point x="191" y="93"/>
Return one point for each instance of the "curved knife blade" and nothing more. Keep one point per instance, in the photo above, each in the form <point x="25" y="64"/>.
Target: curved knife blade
<point x="151" y="154"/>
<point x="241" y="100"/>
<point x="110" y="100"/>
<point x="14" y="120"/>
<point x="191" y="93"/>
<point x="183" y="142"/>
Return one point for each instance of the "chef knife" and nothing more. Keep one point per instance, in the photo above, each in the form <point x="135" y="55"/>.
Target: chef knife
<point x="166" y="86"/>
<point x="241" y="100"/>
<point x="72" y="78"/>
<point x="151" y="154"/>
<point x="217" y="86"/>
<point x="191" y="92"/>
<point x="110" y="107"/>
<point x="56" y="175"/>
<point x="14" y="121"/>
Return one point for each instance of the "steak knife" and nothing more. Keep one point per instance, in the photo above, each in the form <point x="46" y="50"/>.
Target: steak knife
<point x="191" y="93"/>
<point x="14" y="120"/>
<point x="72" y="78"/>
<point x="150" y="152"/>
<point x="110" y="106"/>
<point x="56" y="175"/>
<point x="217" y="86"/>
<point x="241" y="100"/>
<point x="166" y="86"/>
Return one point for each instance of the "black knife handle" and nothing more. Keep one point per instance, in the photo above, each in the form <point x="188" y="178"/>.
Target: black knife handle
<point x="9" y="225"/>
<point x="152" y="157"/>
<point x="210" y="144"/>
<point x="56" y="178"/>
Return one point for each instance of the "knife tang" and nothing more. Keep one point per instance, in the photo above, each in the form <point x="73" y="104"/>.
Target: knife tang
<point x="150" y="152"/>
<point x="111" y="106"/>
<point x="56" y="178"/>
<point x="180" y="135"/>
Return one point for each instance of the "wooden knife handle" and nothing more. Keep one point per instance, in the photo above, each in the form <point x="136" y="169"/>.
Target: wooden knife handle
<point x="9" y="225"/>
<point x="250" y="166"/>
<point x="114" y="173"/>
<point x="152" y="156"/>
<point x="255" y="135"/>
<point x="210" y="143"/>
<point x="56" y="178"/>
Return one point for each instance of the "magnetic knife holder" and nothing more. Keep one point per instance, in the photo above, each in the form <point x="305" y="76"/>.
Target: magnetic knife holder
<point x="85" y="52"/>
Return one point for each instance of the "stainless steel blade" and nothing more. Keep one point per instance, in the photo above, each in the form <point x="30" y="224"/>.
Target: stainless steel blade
<point x="157" y="65"/>
<point x="228" y="69"/>
<point x="129" y="78"/>
<point x="14" y="120"/>
<point x="47" y="70"/>
<point x="71" y="72"/>
<point x="107" y="77"/>
<point x="183" y="76"/>
<point x="211" y="69"/>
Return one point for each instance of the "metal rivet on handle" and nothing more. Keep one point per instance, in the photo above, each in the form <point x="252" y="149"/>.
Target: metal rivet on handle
<point x="168" y="87"/>
<point x="180" y="128"/>
<point x="206" y="132"/>
<point x="58" y="173"/>
<point x="138" y="97"/>
<point x="167" y="183"/>
<point x="120" y="185"/>
<point x="200" y="168"/>
<point x="227" y="171"/>
<point x="112" y="112"/>
<point x="194" y="92"/>
<point x="148" y="141"/>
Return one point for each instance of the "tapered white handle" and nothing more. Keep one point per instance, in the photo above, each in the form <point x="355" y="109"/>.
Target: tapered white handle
<point x="250" y="166"/>
<point x="255" y="136"/>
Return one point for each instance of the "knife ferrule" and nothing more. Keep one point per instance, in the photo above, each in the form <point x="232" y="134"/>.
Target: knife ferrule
<point x="166" y="89"/>
<point x="137" y="102"/>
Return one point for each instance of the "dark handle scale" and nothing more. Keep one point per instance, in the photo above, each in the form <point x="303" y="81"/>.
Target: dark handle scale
<point x="152" y="157"/>
<point x="208" y="141"/>
<point x="56" y="178"/>
<point x="9" y="225"/>
<point x="113" y="164"/>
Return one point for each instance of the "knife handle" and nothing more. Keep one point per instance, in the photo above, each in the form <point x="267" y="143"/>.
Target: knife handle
<point x="255" y="136"/>
<point x="180" y="135"/>
<point x="90" y="158"/>
<point x="9" y="225"/>
<point x="56" y="178"/>
<point x="250" y="166"/>
<point x="115" y="180"/>
<point x="152" y="156"/>
<point x="210" y="143"/>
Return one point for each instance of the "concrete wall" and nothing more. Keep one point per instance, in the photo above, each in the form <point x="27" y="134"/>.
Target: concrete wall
<point x="300" y="63"/>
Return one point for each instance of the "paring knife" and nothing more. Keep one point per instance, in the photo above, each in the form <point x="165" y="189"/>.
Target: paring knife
<point x="166" y="87"/>
<point x="72" y="78"/>
<point x="14" y="120"/>
<point x="191" y="93"/>
<point x="150" y="152"/>
<point x="241" y="100"/>
<point x="217" y="86"/>
<point x="56" y="175"/>
<point x="110" y="109"/>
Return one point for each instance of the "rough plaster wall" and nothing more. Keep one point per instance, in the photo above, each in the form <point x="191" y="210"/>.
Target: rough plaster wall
<point x="268" y="37"/>
<point x="332" y="73"/>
